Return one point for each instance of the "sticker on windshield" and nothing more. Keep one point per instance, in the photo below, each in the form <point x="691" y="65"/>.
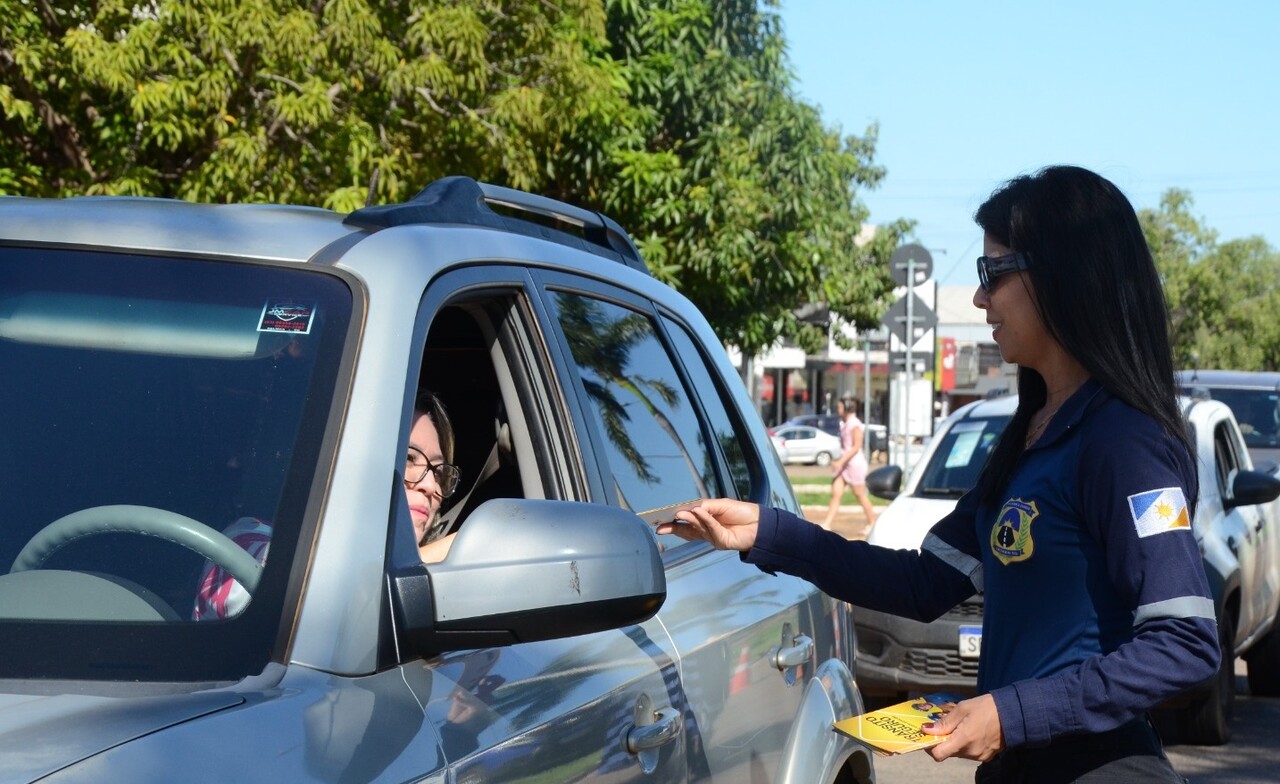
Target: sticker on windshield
<point x="962" y="450"/>
<point x="287" y="315"/>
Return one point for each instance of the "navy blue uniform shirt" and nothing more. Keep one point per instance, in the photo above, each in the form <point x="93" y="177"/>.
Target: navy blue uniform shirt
<point x="1096" y="603"/>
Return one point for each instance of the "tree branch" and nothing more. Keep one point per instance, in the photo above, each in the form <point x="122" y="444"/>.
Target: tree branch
<point x="49" y="18"/>
<point x="282" y="80"/>
<point x="66" y="137"/>
<point x="431" y="101"/>
<point x="231" y="60"/>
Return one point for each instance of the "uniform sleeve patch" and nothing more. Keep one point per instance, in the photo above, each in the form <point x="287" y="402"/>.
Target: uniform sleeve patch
<point x="1158" y="511"/>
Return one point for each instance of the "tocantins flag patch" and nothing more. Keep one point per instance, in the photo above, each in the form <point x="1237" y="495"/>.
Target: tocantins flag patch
<point x="1158" y="511"/>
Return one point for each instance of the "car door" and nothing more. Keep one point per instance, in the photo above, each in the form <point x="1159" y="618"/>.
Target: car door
<point x="744" y="668"/>
<point x="1240" y="524"/>
<point x="801" y="443"/>
<point x="594" y="707"/>
<point x="663" y="435"/>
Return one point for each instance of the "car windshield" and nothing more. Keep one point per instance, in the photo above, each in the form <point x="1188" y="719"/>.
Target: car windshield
<point x="151" y="404"/>
<point x="959" y="457"/>
<point x="1256" y="410"/>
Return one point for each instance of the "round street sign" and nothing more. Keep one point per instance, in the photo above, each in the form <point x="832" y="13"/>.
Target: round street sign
<point x="915" y="256"/>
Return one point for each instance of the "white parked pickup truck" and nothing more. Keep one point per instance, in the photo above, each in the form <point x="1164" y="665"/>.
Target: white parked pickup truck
<point x="1237" y="524"/>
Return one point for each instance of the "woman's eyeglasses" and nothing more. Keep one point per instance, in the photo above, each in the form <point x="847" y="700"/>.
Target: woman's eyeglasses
<point x="992" y="267"/>
<point x="416" y="466"/>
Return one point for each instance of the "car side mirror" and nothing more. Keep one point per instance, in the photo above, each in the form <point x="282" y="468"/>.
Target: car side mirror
<point x="521" y="570"/>
<point x="1252" y="487"/>
<point x="885" y="482"/>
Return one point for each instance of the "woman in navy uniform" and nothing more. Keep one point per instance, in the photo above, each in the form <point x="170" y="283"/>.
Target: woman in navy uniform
<point x="1078" y="531"/>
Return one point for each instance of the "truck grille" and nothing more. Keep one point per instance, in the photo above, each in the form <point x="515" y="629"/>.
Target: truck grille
<point x="939" y="664"/>
<point x="970" y="610"/>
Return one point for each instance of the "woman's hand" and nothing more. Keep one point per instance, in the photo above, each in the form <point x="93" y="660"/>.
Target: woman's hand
<point x="974" y="727"/>
<point x="726" y="523"/>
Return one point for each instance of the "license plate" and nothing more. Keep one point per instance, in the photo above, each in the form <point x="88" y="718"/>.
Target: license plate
<point x="970" y="642"/>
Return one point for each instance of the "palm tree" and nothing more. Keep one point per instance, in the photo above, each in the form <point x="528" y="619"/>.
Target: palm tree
<point x="602" y="342"/>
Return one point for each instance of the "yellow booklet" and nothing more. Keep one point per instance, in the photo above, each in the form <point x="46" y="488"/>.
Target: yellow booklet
<point x="896" y="729"/>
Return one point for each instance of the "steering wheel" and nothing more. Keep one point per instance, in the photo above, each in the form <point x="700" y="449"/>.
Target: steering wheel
<point x="145" y="521"/>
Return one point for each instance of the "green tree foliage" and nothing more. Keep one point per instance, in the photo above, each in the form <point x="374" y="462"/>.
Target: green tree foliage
<point x="675" y="116"/>
<point x="1223" y="298"/>
<point x="735" y="190"/>
<point x="277" y="100"/>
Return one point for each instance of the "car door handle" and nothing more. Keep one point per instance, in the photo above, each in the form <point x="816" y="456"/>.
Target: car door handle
<point x="794" y="656"/>
<point x="665" y="728"/>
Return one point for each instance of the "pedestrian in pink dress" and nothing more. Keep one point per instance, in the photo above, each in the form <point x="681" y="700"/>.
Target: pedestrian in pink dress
<point x="851" y="467"/>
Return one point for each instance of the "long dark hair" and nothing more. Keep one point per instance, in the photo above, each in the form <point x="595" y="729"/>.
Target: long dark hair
<point x="1097" y="292"/>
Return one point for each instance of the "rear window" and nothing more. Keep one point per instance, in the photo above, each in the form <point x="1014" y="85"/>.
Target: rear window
<point x="957" y="461"/>
<point x="148" y="401"/>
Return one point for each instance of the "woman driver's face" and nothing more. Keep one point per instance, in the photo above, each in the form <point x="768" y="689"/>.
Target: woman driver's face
<point x="424" y="495"/>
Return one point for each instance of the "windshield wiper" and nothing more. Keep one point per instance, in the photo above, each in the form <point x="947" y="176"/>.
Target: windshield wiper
<point x="943" y="492"/>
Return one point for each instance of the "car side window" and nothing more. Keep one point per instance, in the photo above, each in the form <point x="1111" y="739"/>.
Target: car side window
<point x="483" y="361"/>
<point x="726" y="428"/>
<point x="656" y="447"/>
<point x="1227" y="458"/>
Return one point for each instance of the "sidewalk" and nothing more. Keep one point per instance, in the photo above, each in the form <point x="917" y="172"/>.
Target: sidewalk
<point x="850" y="521"/>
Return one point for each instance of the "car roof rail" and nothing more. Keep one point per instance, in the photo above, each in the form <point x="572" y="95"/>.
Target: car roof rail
<point x="462" y="200"/>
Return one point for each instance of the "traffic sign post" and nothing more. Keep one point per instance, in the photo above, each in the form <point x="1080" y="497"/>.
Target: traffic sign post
<point x="909" y="318"/>
<point x="920" y="363"/>
<point x="910" y="265"/>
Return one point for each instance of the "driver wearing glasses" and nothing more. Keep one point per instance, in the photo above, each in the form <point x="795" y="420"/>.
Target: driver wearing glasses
<point x="428" y="479"/>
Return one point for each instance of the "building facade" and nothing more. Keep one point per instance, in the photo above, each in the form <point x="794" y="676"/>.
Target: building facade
<point x="959" y="357"/>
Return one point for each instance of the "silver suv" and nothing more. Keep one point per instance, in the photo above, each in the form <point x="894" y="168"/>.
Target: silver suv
<point x="172" y="370"/>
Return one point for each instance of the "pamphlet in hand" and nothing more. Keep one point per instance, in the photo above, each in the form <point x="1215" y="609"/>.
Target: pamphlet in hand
<point x="667" y="514"/>
<point x="896" y="729"/>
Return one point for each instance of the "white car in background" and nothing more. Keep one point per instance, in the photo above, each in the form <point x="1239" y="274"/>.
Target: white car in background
<point x="1254" y="398"/>
<point x="805" y="444"/>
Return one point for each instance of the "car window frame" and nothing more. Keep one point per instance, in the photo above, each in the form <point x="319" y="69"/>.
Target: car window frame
<point x="1227" y="449"/>
<point x="551" y="282"/>
<point x="522" y="339"/>
<point x="669" y="321"/>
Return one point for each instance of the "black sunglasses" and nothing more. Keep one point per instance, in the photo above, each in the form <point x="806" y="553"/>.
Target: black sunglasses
<point x="992" y="267"/>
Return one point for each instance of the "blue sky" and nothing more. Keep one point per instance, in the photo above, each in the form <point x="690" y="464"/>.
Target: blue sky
<point x="1152" y="95"/>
